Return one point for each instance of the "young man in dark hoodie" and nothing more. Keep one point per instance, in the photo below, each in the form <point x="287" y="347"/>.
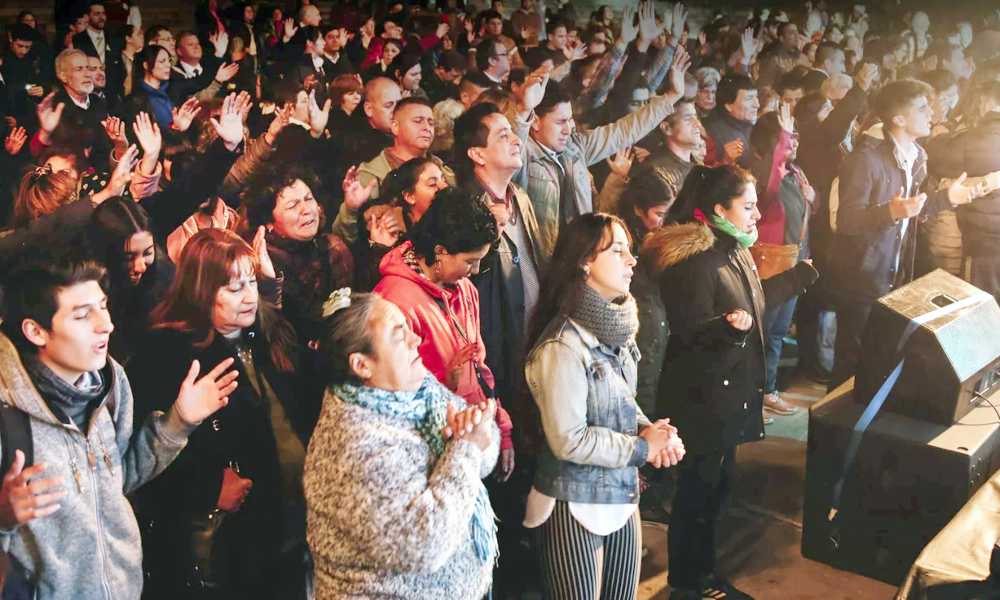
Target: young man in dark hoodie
<point x="54" y="368"/>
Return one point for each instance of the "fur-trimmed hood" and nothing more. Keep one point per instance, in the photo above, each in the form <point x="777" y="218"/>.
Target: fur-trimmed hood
<point x="673" y="244"/>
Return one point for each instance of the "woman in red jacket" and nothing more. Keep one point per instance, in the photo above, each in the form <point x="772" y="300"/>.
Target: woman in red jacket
<point x="427" y="277"/>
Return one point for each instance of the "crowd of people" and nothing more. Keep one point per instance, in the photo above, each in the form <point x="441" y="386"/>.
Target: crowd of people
<point x="396" y="300"/>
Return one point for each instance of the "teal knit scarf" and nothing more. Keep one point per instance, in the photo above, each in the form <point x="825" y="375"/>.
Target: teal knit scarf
<point x="426" y="410"/>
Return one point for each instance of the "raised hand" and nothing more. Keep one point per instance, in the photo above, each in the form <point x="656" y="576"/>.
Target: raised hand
<point x="199" y="398"/>
<point x="356" y="194"/>
<point x="290" y="29"/>
<point x="282" y="117"/>
<point x="263" y="258"/>
<point x="226" y="72"/>
<point x="785" y="119"/>
<point x="220" y="41"/>
<point x="531" y="93"/>
<point x="115" y="128"/>
<point x="49" y="116"/>
<point x="185" y="114"/>
<point x="679" y="18"/>
<point x="147" y="133"/>
<point x="242" y="105"/>
<point x="621" y="162"/>
<point x="682" y="62"/>
<point x="15" y="140"/>
<point x="575" y="53"/>
<point x="229" y="126"/>
<point x="318" y="117"/>
<point x="649" y="29"/>
<point x="442" y="30"/>
<point x="630" y="30"/>
<point x="748" y="45"/>
<point x="25" y="496"/>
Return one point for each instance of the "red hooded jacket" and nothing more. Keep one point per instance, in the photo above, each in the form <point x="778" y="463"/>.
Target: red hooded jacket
<point x="421" y="302"/>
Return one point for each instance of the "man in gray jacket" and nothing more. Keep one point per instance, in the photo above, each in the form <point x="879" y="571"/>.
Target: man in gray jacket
<point x="556" y="156"/>
<point x="64" y="520"/>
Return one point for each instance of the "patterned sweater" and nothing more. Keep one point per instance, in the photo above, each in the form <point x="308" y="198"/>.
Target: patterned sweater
<point x="385" y="520"/>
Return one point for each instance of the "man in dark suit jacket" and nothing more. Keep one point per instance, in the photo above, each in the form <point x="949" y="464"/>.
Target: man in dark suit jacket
<point x="96" y="41"/>
<point x="196" y="74"/>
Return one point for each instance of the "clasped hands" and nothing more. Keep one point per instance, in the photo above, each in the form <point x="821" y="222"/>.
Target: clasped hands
<point x="666" y="448"/>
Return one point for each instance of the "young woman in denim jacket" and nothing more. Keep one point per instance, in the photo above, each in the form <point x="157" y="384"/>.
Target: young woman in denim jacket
<point x="581" y="372"/>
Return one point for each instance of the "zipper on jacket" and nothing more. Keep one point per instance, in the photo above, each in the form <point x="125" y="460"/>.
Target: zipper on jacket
<point x="105" y="580"/>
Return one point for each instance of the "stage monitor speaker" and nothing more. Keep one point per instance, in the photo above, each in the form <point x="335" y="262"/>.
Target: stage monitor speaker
<point x="908" y="479"/>
<point x="951" y="354"/>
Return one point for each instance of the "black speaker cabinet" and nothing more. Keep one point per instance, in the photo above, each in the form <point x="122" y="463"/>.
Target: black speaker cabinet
<point x="908" y="479"/>
<point x="951" y="361"/>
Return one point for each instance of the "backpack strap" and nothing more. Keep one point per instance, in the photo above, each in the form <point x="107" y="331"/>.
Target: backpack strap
<point x="15" y="434"/>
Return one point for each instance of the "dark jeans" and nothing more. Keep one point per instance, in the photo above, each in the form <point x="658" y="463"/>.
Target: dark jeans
<point x="703" y="485"/>
<point x="777" y="320"/>
<point x="852" y="317"/>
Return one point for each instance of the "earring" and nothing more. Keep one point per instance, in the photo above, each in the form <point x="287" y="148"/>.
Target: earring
<point x="586" y="270"/>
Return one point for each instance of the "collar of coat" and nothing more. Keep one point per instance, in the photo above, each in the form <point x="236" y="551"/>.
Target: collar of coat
<point x="673" y="244"/>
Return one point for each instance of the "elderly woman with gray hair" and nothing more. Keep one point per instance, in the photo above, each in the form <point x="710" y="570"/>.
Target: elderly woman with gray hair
<point x="396" y="505"/>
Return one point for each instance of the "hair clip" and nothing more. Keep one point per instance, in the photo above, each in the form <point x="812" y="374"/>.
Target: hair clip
<point x="39" y="172"/>
<point x="338" y="300"/>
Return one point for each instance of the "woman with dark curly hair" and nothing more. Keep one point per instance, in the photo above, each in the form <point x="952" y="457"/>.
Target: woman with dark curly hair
<point x="427" y="277"/>
<point x="281" y="201"/>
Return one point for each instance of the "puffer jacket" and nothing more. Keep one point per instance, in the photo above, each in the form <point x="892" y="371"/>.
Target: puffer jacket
<point x="89" y="549"/>
<point x="975" y="151"/>
<point x="542" y="174"/>
<point x="713" y="377"/>
<point x="421" y="303"/>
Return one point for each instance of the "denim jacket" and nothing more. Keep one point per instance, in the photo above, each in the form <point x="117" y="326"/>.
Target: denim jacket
<point x="585" y="392"/>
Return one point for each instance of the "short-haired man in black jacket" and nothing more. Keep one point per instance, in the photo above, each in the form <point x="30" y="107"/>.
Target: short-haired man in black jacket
<point x="878" y="214"/>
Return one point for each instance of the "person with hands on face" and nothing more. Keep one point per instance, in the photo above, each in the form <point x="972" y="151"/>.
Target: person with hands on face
<point x="581" y="372"/>
<point x="243" y="469"/>
<point x="393" y="477"/>
<point x="56" y="370"/>
<point x="713" y="372"/>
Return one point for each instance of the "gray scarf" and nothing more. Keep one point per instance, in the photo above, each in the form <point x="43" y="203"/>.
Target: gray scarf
<point x="613" y="323"/>
<point x="74" y="402"/>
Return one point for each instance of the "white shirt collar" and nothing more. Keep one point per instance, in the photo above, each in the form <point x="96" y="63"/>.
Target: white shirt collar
<point x="317" y="62"/>
<point x="294" y="121"/>
<point x="189" y="70"/>
<point x="95" y="34"/>
<point x="84" y="105"/>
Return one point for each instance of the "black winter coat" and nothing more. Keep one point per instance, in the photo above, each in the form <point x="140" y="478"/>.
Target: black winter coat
<point x="975" y="151"/>
<point x="863" y="266"/>
<point x="712" y="383"/>
<point x="239" y="433"/>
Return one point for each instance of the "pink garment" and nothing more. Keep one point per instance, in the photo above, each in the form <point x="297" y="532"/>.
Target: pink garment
<point x="418" y="298"/>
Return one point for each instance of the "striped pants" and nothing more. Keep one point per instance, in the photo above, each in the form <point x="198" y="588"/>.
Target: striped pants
<point x="580" y="565"/>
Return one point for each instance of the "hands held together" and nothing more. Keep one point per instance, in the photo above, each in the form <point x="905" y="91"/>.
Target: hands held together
<point x="666" y="448"/>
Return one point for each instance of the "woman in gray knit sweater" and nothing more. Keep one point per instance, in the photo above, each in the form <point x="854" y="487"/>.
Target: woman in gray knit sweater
<point x="396" y="505"/>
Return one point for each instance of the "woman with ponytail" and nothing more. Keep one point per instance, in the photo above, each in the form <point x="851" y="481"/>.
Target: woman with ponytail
<point x="713" y="376"/>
